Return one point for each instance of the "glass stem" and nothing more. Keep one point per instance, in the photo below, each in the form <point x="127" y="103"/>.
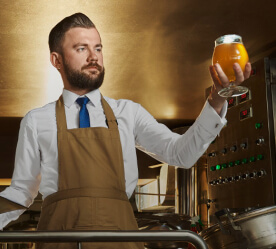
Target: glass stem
<point x="231" y="83"/>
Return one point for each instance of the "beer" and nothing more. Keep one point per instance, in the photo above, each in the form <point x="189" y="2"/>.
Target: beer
<point x="227" y="54"/>
<point x="228" y="50"/>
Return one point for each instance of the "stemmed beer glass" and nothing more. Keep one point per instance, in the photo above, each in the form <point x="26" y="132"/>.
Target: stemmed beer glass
<point x="228" y="50"/>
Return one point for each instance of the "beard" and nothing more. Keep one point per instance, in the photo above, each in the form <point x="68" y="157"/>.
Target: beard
<point x="83" y="81"/>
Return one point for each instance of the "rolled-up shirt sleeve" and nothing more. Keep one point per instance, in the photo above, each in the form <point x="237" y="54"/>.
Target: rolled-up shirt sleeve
<point x="178" y="150"/>
<point x="26" y="176"/>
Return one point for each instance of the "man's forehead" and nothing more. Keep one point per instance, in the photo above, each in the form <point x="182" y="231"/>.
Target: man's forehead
<point x="77" y="33"/>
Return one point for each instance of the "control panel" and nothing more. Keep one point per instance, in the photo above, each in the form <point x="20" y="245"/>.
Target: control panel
<point x="241" y="160"/>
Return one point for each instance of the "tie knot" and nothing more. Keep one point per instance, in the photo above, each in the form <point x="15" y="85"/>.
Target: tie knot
<point x="82" y="101"/>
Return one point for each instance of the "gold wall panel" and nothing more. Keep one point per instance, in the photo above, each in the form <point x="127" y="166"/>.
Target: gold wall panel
<point x="156" y="52"/>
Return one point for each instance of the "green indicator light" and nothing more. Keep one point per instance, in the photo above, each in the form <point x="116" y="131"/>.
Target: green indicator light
<point x="237" y="162"/>
<point x="252" y="159"/>
<point x="258" y="125"/>
<point x="213" y="168"/>
<point x="231" y="164"/>
<point x="260" y="157"/>
<point x="244" y="161"/>
<point x="224" y="166"/>
<point x="218" y="167"/>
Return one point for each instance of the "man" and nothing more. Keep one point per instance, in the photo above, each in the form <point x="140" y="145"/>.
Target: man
<point x="79" y="152"/>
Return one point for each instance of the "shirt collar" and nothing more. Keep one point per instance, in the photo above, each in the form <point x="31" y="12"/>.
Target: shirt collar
<point x="69" y="97"/>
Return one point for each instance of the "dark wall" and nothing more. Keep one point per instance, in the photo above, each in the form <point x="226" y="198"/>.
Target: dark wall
<point x="9" y="128"/>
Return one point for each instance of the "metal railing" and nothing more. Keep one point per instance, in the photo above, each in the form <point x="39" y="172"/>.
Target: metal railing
<point x="102" y="236"/>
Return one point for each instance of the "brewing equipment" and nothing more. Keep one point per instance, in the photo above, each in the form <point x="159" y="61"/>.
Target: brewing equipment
<point x="241" y="167"/>
<point x="253" y="229"/>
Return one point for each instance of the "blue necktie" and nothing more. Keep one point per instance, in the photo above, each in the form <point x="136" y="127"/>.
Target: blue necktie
<point x="84" y="115"/>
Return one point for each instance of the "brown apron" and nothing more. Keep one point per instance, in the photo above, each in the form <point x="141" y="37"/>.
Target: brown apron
<point x="7" y="205"/>
<point x="91" y="188"/>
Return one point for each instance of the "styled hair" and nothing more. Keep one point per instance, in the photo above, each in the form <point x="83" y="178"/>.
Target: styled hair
<point x="57" y="33"/>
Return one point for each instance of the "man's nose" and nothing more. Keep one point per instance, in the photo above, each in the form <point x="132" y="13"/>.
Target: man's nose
<point x="92" y="56"/>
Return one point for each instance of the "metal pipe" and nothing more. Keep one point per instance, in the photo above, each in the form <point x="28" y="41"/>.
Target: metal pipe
<point x="102" y="236"/>
<point x="79" y="245"/>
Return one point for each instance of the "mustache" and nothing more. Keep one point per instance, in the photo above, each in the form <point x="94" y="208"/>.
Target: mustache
<point x="92" y="65"/>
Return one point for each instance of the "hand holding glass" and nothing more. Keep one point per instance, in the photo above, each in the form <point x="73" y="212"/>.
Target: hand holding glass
<point x="228" y="50"/>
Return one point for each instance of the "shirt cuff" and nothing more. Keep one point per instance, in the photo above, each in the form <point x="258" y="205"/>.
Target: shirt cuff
<point x="210" y="120"/>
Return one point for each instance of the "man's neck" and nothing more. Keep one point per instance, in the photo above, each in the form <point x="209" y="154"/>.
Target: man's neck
<point x="79" y="92"/>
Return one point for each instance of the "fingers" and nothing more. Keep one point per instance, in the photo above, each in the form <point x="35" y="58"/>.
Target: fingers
<point x="247" y="70"/>
<point x="221" y="80"/>
<point x="214" y="77"/>
<point x="240" y="75"/>
<point x="221" y="75"/>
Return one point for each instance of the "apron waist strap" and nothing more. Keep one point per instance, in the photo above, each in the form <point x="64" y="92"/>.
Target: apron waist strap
<point x="85" y="192"/>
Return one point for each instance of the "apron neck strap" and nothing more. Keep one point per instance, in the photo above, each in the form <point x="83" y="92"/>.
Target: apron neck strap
<point x="109" y="114"/>
<point x="61" y="118"/>
<point x="60" y="115"/>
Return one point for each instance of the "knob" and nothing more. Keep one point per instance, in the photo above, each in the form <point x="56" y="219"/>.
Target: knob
<point x="230" y="179"/>
<point x="260" y="141"/>
<point x="237" y="178"/>
<point x="243" y="145"/>
<point x="252" y="174"/>
<point x="213" y="182"/>
<point x="233" y="148"/>
<point x="261" y="173"/>
<point x="245" y="176"/>
<point x="212" y="154"/>
<point x="223" y="151"/>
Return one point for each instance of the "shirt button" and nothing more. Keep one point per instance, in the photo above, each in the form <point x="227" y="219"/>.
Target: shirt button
<point x="217" y="125"/>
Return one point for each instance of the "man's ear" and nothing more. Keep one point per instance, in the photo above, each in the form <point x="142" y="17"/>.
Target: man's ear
<point x="55" y="59"/>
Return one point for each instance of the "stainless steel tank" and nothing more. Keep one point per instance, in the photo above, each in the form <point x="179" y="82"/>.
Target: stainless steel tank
<point x="191" y="187"/>
<point x="252" y="229"/>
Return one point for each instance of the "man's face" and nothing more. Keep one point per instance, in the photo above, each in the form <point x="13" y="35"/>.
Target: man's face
<point x="82" y="58"/>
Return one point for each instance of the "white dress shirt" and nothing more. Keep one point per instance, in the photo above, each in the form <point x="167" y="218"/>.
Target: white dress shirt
<point x="36" y="161"/>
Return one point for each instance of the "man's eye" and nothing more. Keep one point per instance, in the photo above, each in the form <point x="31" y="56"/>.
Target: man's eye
<point x="99" y="49"/>
<point x="80" y="49"/>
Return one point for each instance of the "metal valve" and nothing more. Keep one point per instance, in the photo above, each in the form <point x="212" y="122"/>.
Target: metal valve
<point x="253" y="174"/>
<point x="223" y="151"/>
<point x="233" y="148"/>
<point x="212" y="154"/>
<point x="261" y="173"/>
<point x="245" y="176"/>
<point x="260" y="141"/>
<point x="237" y="177"/>
<point x="230" y="179"/>
<point x="243" y="145"/>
